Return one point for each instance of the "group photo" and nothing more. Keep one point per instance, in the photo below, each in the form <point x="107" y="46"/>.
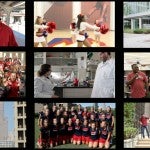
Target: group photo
<point x="12" y="74"/>
<point x="74" y="24"/>
<point x="75" y="125"/>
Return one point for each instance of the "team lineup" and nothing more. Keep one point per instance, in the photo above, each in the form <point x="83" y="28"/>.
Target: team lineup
<point x="63" y="125"/>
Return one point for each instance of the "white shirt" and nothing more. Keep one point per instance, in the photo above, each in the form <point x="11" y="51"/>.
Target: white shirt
<point x="104" y="82"/>
<point x="43" y="87"/>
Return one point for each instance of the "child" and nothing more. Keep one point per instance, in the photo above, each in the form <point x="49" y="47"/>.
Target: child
<point x="105" y="133"/>
<point x="70" y="131"/>
<point x="85" y="132"/>
<point x="93" y="140"/>
<point x="62" y="132"/>
<point x="54" y="133"/>
<point x="77" y="133"/>
<point x="43" y="141"/>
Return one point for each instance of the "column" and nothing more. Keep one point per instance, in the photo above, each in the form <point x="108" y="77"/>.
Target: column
<point x="132" y="24"/>
<point x="140" y="23"/>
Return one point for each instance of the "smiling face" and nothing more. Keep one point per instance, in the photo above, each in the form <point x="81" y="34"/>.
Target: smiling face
<point x="13" y="76"/>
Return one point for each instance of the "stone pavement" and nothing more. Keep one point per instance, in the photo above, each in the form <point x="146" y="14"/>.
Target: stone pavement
<point x="136" y="40"/>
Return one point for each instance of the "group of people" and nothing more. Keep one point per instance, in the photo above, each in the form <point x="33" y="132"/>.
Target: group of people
<point x="12" y="77"/>
<point x="78" y="31"/>
<point x="61" y="125"/>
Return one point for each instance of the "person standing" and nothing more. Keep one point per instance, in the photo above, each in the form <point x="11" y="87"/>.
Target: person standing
<point x="104" y="82"/>
<point x="138" y="82"/>
<point x="7" y="37"/>
<point x="143" y="122"/>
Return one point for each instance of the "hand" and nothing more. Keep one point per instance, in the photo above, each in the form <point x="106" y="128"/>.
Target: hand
<point x="136" y="75"/>
<point x="55" y="96"/>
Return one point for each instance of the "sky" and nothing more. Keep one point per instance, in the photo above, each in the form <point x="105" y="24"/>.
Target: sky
<point x="112" y="105"/>
<point x="9" y="113"/>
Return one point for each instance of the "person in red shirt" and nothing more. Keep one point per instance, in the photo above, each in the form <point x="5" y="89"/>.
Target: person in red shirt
<point x="7" y="37"/>
<point x="13" y="84"/>
<point x="143" y="122"/>
<point x="138" y="82"/>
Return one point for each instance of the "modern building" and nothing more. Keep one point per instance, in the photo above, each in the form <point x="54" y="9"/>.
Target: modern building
<point x="20" y="124"/>
<point x="3" y="123"/>
<point x="8" y="144"/>
<point x="137" y="15"/>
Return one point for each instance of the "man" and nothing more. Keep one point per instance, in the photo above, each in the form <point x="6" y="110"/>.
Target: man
<point x="104" y="82"/>
<point x="138" y="82"/>
<point x="143" y="122"/>
<point x="6" y="36"/>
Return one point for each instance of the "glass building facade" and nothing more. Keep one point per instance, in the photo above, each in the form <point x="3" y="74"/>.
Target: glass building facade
<point x="137" y="15"/>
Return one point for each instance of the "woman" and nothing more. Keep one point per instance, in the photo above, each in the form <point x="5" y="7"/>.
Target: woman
<point x="82" y="25"/>
<point x="13" y="84"/>
<point x="44" y="84"/>
<point x="39" y="29"/>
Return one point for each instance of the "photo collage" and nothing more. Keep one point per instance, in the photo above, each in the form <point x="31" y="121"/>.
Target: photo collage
<point x="53" y="97"/>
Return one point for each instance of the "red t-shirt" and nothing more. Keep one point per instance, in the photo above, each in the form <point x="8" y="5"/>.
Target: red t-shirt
<point x="14" y="89"/>
<point x="138" y="85"/>
<point x="7" y="36"/>
<point x="144" y="120"/>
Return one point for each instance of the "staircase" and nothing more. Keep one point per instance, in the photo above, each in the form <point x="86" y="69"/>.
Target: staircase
<point x="143" y="143"/>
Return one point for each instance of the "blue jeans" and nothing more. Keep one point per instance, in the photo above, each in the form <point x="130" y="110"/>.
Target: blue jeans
<point x="142" y="131"/>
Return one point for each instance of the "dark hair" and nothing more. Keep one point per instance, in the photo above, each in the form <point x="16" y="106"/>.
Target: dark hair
<point x="44" y="69"/>
<point x="133" y="65"/>
<point x="80" y="19"/>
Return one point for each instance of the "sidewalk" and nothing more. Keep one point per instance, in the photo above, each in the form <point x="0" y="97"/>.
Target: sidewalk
<point x="136" y="40"/>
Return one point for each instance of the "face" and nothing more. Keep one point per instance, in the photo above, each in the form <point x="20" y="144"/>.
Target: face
<point x="13" y="77"/>
<point x="135" y="68"/>
<point x="47" y="112"/>
<point x="92" y="117"/>
<point x="79" y="106"/>
<point x="55" y="121"/>
<point x="108" y="109"/>
<point x="93" y="126"/>
<point x="103" y="124"/>
<point x="72" y="108"/>
<point x="104" y="56"/>
<point x="62" y="120"/>
<point x="40" y="20"/>
<point x="103" y="117"/>
<point x="58" y="112"/>
<point x="47" y="74"/>
<point x="70" y="121"/>
<point x="54" y="108"/>
<point x="77" y="121"/>
<point x="45" y="123"/>
<point x="85" y="122"/>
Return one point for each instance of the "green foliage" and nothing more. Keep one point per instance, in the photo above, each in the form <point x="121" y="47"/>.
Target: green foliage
<point x="128" y="30"/>
<point x="130" y="132"/>
<point x="140" y="31"/>
<point x="129" y="111"/>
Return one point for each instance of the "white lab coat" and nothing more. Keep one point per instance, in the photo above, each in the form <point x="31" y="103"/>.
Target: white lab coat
<point x="104" y="82"/>
<point x="43" y="87"/>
